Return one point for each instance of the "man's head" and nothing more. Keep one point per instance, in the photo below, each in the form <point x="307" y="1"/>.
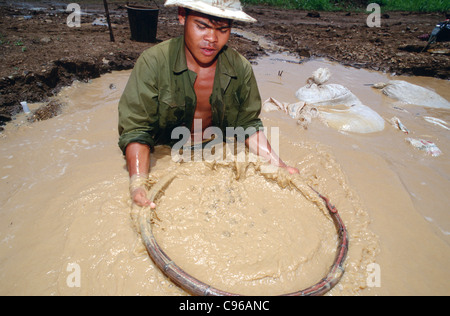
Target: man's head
<point x="207" y="25"/>
<point x="205" y="35"/>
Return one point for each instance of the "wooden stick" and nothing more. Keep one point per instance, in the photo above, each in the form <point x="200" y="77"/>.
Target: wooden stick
<point x="111" y="35"/>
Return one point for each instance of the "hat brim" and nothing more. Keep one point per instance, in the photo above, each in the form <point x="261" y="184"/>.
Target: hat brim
<point x="237" y="15"/>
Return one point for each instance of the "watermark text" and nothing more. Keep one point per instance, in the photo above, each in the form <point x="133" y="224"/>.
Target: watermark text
<point x="213" y="145"/>
<point x="74" y="278"/>
<point x="74" y="18"/>
<point x="374" y="277"/>
<point x="374" y="18"/>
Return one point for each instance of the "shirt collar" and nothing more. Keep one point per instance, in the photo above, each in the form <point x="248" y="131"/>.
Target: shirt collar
<point x="180" y="62"/>
<point x="225" y="65"/>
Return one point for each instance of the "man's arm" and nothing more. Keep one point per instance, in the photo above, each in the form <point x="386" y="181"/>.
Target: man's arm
<point x="259" y="145"/>
<point x="248" y="117"/>
<point x="138" y="162"/>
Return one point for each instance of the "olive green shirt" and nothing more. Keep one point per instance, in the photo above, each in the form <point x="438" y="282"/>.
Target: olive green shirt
<point x="160" y="95"/>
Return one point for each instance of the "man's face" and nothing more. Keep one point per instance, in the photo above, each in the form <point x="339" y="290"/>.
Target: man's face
<point x="204" y="37"/>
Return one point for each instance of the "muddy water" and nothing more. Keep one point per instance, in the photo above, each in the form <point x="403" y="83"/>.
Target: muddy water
<point x="403" y="190"/>
<point x="66" y="217"/>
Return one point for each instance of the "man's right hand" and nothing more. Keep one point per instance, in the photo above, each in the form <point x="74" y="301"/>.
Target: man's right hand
<point x="139" y="197"/>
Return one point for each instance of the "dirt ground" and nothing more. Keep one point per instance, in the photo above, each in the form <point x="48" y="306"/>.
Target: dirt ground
<point x="41" y="54"/>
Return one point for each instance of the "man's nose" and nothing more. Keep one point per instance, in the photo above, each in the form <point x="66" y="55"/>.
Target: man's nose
<point x="211" y="36"/>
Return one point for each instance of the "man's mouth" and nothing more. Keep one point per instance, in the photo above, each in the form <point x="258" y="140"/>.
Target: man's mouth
<point x="208" y="51"/>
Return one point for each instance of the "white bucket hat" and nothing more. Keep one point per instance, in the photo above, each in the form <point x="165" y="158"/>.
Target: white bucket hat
<point x="228" y="9"/>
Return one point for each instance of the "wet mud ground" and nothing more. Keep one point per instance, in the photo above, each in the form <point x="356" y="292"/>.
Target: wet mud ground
<point x="41" y="54"/>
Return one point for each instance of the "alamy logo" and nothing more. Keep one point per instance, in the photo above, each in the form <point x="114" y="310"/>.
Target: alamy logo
<point x="374" y="18"/>
<point x="74" y="19"/>
<point x="207" y="146"/>
<point x="374" y="277"/>
<point x="74" y="278"/>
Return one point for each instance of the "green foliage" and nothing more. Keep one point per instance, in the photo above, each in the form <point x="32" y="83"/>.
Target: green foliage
<point x="320" y="5"/>
<point x="333" y="5"/>
<point x="415" y="5"/>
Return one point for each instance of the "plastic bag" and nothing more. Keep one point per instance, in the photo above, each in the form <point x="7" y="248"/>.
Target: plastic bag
<point x="429" y="147"/>
<point x="412" y="94"/>
<point x="338" y="106"/>
<point x="437" y="122"/>
<point x="395" y="121"/>
<point x="300" y="111"/>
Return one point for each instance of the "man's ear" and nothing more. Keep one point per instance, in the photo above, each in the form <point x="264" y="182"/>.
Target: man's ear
<point x="182" y="15"/>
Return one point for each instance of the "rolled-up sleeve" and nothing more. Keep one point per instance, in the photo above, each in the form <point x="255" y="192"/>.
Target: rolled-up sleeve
<point x="138" y="106"/>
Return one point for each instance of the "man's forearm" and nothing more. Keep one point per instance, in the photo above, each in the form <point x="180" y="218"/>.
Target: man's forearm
<point x="138" y="162"/>
<point x="138" y="159"/>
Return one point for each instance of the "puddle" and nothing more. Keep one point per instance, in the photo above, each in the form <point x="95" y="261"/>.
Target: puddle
<point x="262" y="41"/>
<point x="416" y="171"/>
<point x="64" y="198"/>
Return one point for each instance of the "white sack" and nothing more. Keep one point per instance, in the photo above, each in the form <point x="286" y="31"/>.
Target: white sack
<point x="412" y="94"/>
<point x="340" y="108"/>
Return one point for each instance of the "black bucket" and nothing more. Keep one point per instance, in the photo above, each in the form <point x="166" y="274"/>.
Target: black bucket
<point x="143" y="23"/>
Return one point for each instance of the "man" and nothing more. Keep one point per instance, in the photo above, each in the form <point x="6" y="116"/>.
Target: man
<point x="195" y="77"/>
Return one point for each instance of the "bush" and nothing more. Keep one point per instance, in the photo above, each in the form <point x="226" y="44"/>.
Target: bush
<point x="331" y="5"/>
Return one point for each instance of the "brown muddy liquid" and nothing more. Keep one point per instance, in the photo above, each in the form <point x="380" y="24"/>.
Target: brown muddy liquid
<point x="64" y="200"/>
